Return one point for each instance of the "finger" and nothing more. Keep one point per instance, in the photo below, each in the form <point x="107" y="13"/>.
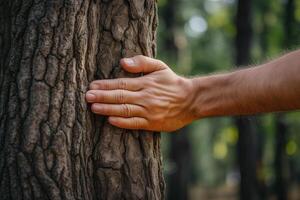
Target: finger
<point x="142" y="64"/>
<point x="133" y="123"/>
<point x="132" y="84"/>
<point x="123" y="110"/>
<point x="111" y="96"/>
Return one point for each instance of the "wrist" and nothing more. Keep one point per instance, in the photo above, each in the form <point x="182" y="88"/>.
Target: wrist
<point x="197" y="96"/>
<point x="211" y="95"/>
<point x="187" y="96"/>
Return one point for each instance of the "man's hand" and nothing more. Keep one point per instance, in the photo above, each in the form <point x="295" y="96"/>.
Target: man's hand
<point x="158" y="101"/>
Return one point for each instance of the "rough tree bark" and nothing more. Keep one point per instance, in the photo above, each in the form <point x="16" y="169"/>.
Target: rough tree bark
<point x="51" y="146"/>
<point x="246" y="126"/>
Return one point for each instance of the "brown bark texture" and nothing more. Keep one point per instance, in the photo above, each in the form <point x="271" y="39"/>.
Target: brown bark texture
<point x="51" y="145"/>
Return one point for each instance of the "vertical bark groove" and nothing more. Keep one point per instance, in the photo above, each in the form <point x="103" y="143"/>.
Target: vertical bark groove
<point x="51" y="146"/>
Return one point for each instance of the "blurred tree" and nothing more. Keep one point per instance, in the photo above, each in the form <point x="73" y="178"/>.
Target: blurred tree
<point x="170" y="18"/>
<point x="290" y="25"/>
<point x="180" y="150"/>
<point x="246" y="126"/>
<point x="180" y="156"/>
<point x="281" y="158"/>
<point x="52" y="147"/>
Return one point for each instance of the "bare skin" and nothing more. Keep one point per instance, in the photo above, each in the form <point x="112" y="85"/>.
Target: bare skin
<point x="163" y="101"/>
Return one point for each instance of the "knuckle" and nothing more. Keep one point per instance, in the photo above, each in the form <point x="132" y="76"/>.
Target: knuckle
<point x="136" y="123"/>
<point x="155" y="118"/>
<point x="140" y="82"/>
<point x="126" y="110"/>
<point x="150" y="81"/>
<point x="156" y="104"/>
<point x="122" y="84"/>
<point x="104" y="110"/>
<point x="120" y="97"/>
<point x="147" y="82"/>
<point x="162" y="64"/>
<point x="105" y="85"/>
<point x="139" y="56"/>
<point x="139" y="96"/>
<point x="146" y="95"/>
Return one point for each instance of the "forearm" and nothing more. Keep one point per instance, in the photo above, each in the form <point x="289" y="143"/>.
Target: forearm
<point x="271" y="87"/>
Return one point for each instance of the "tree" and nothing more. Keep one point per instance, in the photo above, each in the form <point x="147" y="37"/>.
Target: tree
<point x="281" y="159"/>
<point x="52" y="147"/>
<point x="246" y="127"/>
<point x="180" y="147"/>
<point x="180" y="156"/>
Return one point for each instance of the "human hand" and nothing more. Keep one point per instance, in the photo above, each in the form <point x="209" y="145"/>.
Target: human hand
<point x="158" y="101"/>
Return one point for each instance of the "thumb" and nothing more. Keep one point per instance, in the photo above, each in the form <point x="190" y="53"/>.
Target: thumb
<point x="142" y="64"/>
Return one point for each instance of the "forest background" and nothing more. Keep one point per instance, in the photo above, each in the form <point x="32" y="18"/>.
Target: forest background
<point x="257" y="157"/>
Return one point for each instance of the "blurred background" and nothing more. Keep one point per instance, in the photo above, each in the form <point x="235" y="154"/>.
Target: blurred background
<point x="256" y="157"/>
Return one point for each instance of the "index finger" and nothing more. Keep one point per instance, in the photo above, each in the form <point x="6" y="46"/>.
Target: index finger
<point x="131" y="84"/>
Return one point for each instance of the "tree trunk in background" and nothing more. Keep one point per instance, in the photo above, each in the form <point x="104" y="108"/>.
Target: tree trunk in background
<point x="263" y="7"/>
<point x="180" y="147"/>
<point x="169" y="15"/>
<point x="246" y="126"/>
<point x="51" y="146"/>
<point x="180" y="156"/>
<point x="281" y="159"/>
<point x="289" y="24"/>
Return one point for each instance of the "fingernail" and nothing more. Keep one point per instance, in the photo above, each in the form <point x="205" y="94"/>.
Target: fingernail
<point x="90" y="97"/>
<point x="129" y="61"/>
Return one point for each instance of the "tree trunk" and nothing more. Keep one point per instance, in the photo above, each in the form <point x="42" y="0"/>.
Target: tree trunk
<point x="289" y="24"/>
<point x="180" y="147"/>
<point x="170" y="17"/>
<point x="246" y="126"/>
<point x="180" y="156"/>
<point x="281" y="159"/>
<point x="51" y="145"/>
